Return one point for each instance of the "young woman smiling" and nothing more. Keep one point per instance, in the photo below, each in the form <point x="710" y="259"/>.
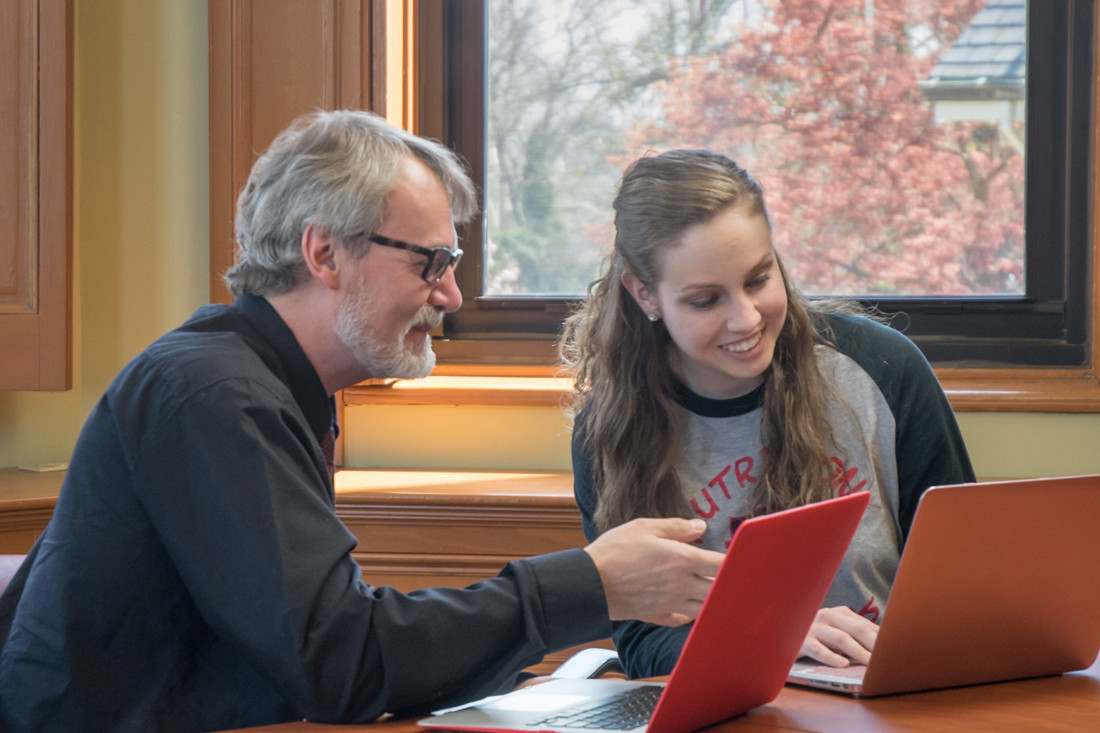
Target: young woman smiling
<point x="708" y="386"/>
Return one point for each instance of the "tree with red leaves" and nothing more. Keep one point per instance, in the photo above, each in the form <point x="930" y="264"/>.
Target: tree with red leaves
<point x="819" y="99"/>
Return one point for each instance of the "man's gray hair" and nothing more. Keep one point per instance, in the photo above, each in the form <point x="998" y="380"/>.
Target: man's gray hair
<point x="332" y="170"/>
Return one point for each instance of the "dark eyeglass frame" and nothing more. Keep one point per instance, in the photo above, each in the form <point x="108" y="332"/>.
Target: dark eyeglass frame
<point x="439" y="258"/>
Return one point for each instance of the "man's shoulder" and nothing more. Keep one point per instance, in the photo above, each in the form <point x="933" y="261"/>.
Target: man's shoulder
<point x="201" y="353"/>
<point x="183" y="362"/>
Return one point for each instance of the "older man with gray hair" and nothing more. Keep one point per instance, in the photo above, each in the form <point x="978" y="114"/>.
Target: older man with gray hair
<point x="195" y="575"/>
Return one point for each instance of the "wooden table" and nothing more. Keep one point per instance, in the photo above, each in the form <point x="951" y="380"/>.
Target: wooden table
<point x="402" y="508"/>
<point x="1065" y="703"/>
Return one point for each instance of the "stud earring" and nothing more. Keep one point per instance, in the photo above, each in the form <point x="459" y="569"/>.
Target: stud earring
<point x="653" y="317"/>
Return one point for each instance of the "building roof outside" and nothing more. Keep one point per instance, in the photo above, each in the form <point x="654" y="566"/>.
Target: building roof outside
<point x="989" y="58"/>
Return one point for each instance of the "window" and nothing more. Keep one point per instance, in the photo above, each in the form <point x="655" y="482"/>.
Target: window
<point x="1036" y="315"/>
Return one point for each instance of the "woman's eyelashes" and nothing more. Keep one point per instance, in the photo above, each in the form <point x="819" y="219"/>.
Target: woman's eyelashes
<point x="704" y="302"/>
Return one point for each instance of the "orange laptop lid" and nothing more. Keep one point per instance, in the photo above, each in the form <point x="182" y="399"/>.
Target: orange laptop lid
<point x="998" y="581"/>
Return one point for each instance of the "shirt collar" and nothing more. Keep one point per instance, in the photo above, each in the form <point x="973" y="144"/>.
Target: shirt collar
<point x="290" y="363"/>
<point x="708" y="407"/>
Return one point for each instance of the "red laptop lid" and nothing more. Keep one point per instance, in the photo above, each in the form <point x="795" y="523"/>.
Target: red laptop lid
<point x="777" y="571"/>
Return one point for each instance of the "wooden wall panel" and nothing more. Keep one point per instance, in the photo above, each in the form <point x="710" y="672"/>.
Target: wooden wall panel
<point x="18" y="263"/>
<point x="35" y="194"/>
<point x="270" y="63"/>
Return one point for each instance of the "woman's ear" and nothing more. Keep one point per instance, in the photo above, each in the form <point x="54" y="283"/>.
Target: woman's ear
<point x="642" y="295"/>
<point x="319" y="253"/>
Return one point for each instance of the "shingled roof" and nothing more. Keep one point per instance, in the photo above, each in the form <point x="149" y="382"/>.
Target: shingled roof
<point x="988" y="60"/>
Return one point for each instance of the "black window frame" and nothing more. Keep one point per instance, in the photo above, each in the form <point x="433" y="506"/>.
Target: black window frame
<point x="1047" y="327"/>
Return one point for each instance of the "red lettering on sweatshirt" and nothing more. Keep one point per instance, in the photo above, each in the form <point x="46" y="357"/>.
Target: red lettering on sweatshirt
<point x="743" y="471"/>
<point x="870" y="610"/>
<point x="842" y="479"/>
<point x="740" y="474"/>
<point x="710" y="500"/>
<point x="719" y="480"/>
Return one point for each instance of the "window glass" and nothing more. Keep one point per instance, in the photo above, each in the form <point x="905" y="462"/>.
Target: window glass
<point x="888" y="134"/>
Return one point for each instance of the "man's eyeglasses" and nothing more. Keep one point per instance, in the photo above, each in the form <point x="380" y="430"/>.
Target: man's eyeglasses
<point x="439" y="258"/>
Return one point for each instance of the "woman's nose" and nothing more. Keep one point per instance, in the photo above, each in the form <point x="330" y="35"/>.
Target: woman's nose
<point x="742" y="315"/>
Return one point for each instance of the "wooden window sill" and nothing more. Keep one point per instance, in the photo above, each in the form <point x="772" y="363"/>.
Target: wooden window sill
<point x="1038" y="390"/>
<point x="969" y="390"/>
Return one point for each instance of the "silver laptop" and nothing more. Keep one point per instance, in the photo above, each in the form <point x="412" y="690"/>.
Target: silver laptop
<point x="998" y="581"/>
<point x="737" y="655"/>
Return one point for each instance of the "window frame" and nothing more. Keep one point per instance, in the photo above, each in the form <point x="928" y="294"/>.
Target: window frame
<point x="1050" y="327"/>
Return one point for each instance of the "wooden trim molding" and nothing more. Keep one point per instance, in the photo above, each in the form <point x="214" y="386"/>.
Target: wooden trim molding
<point x="36" y="196"/>
<point x="992" y="390"/>
<point x="968" y="390"/>
<point x="27" y="501"/>
<point x="469" y="390"/>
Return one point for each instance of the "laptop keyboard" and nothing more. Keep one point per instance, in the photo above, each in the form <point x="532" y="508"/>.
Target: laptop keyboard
<point x="854" y="672"/>
<point x="624" y="711"/>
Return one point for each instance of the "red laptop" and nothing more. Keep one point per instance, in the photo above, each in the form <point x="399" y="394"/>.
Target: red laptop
<point x="737" y="655"/>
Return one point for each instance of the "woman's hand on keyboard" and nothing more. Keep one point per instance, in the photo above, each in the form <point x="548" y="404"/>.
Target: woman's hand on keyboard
<point x="839" y="636"/>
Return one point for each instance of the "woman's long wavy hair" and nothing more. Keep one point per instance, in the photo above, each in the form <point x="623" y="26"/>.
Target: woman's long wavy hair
<point x="621" y="361"/>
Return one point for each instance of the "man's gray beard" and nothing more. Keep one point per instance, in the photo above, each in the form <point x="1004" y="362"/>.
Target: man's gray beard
<point x="382" y="360"/>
